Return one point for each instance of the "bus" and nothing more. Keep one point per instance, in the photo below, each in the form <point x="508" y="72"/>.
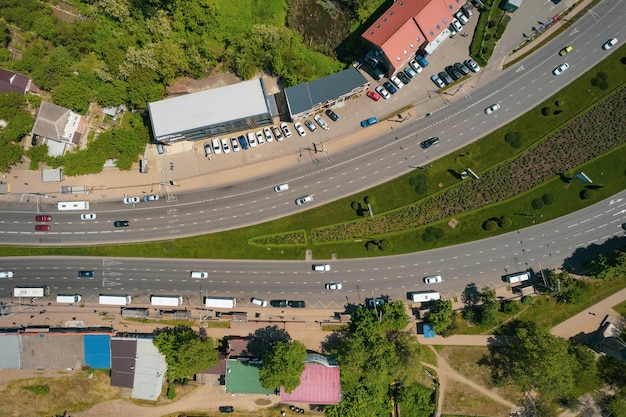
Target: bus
<point x="73" y="205"/>
<point x="31" y="291"/>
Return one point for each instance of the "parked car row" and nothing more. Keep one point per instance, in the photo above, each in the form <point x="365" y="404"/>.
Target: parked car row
<point x="136" y="200"/>
<point x="454" y="72"/>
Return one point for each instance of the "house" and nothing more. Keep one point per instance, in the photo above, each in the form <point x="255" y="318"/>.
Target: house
<point x="319" y="383"/>
<point x="12" y="82"/>
<point x="58" y="126"/>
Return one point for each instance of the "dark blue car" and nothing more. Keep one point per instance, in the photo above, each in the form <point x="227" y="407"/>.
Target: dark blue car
<point x="390" y="87"/>
<point x="421" y="60"/>
<point x="243" y="142"/>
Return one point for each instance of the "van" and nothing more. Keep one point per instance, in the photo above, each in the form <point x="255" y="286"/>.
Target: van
<point x="199" y="274"/>
<point x="6" y="274"/>
<point x="259" y="302"/>
<point x="467" y="10"/>
<point x="517" y="277"/>
<point x="217" y="148"/>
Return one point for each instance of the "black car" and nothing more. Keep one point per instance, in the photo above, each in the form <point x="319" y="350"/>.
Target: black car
<point x="462" y="68"/>
<point x="445" y="77"/>
<point x="390" y="87"/>
<point x="227" y="409"/>
<point x="454" y="73"/>
<point x="86" y="274"/>
<point x="429" y="142"/>
<point x="374" y="302"/>
<point x="297" y="304"/>
<point x="332" y="115"/>
<point x="278" y="303"/>
<point x="403" y="77"/>
<point x="121" y="223"/>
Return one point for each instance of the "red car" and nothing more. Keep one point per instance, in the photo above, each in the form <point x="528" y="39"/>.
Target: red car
<point x="373" y="95"/>
<point x="42" y="228"/>
<point x="42" y="218"/>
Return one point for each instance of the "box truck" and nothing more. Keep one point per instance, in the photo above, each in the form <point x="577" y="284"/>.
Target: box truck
<point x="114" y="299"/>
<point x="166" y="300"/>
<point x="518" y="277"/>
<point x="220" y="302"/>
<point x="424" y="296"/>
<point x="32" y="291"/>
<point x="69" y="298"/>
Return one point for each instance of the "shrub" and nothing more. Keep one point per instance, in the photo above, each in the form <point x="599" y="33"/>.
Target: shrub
<point x="432" y="233"/>
<point x="559" y="103"/>
<point x="505" y="222"/>
<point x="586" y="194"/>
<point x="171" y="392"/>
<point x="371" y="245"/>
<point x="537" y="203"/>
<point x="527" y="300"/>
<point x="369" y="200"/>
<point x="490" y="225"/>
<point x="39" y="390"/>
<point x="420" y="184"/>
<point x="514" y="139"/>
<point x="547" y="199"/>
<point x="604" y="85"/>
<point x="354" y="205"/>
<point x="385" y="245"/>
<point x="487" y="37"/>
<point x="510" y="306"/>
<point x="547" y="111"/>
<point x="603" y="76"/>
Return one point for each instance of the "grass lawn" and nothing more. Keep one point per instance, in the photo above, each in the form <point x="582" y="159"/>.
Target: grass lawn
<point x="463" y="399"/>
<point x="621" y="308"/>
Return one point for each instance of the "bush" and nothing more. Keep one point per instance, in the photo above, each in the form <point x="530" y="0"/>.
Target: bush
<point x="527" y="300"/>
<point x="537" y="203"/>
<point x="432" y="233"/>
<point x="586" y="194"/>
<point x="506" y="222"/>
<point x="604" y="85"/>
<point x="371" y="245"/>
<point x="369" y="200"/>
<point x="514" y="139"/>
<point x="547" y="199"/>
<point x="171" y="392"/>
<point x="510" y="306"/>
<point x="559" y="103"/>
<point x="385" y="244"/>
<point x="490" y="225"/>
<point x="420" y="184"/>
<point x="354" y="205"/>
<point x="547" y="111"/>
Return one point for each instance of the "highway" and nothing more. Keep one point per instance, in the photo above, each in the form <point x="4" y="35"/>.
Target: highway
<point x="483" y="262"/>
<point x="335" y="175"/>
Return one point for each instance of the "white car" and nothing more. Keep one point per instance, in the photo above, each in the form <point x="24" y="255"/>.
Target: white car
<point x="609" y="44"/>
<point x="281" y="187"/>
<point x="235" y="144"/>
<point x="217" y="147"/>
<point x="321" y="267"/>
<point x="432" y="279"/>
<point x="417" y="67"/>
<point x="277" y="133"/>
<point x="260" y="138"/>
<point x="225" y="145"/>
<point x="268" y="134"/>
<point x="149" y="198"/>
<point x="492" y="108"/>
<point x="333" y="286"/>
<point x="396" y="81"/>
<point x="199" y="274"/>
<point x="131" y="200"/>
<point x="560" y="69"/>
<point x="320" y="121"/>
<point x="303" y="200"/>
<point x="88" y="216"/>
<point x="300" y="129"/>
<point x="461" y="17"/>
<point x="457" y="26"/>
<point x="251" y="140"/>
<point x="285" y="128"/>
<point x="382" y="92"/>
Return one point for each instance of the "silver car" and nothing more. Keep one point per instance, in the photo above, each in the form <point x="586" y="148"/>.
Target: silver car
<point x="299" y="129"/>
<point x="434" y="279"/>
<point x="303" y="200"/>
<point x="285" y="128"/>
<point x="320" y="121"/>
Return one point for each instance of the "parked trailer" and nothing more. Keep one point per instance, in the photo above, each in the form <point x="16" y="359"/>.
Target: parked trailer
<point x="32" y="291"/>
<point x="424" y="296"/>
<point x="73" y="205"/>
<point x="518" y="277"/>
<point x="114" y="299"/>
<point x="220" y="302"/>
<point x="166" y="300"/>
<point x="69" y="298"/>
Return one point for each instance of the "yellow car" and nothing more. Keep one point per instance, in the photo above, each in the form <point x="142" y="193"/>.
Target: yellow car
<point x="565" y="50"/>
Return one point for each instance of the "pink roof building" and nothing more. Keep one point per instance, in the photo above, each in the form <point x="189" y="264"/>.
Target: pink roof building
<point x="12" y="82"/>
<point x="319" y="384"/>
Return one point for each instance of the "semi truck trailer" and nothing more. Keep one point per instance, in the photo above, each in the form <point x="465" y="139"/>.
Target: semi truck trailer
<point x="220" y="302"/>
<point x="114" y="299"/>
<point x="33" y="291"/>
<point x="166" y="300"/>
<point x="69" y="298"/>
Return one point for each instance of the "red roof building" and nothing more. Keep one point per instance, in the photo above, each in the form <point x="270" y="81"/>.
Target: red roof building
<point x="319" y="384"/>
<point x="12" y="82"/>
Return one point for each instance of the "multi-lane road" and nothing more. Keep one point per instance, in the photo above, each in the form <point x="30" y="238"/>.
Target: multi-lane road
<point x="355" y="168"/>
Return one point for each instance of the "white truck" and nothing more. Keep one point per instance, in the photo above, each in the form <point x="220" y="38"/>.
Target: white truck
<point x="69" y="298"/>
<point x="220" y="302"/>
<point x="166" y="300"/>
<point x="35" y="291"/>
<point x="114" y="299"/>
<point x="424" y="296"/>
<point x="518" y="277"/>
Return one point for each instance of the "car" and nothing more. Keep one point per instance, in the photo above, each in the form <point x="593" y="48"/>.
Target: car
<point x="396" y="81"/>
<point x="225" y="145"/>
<point x="199" y="274"/>
<point x="285" y="128"/>
<point x="259" y="137"/>
<point x="333" y="286"/>
<point x="321" y="267"/>
<point x="373" y="95"/>
<point x="152" y="197"/>
<point x="121" y="223"/>
<point x="433" y="279"/>
<point x="88" y="216"/>
<point x="456" y="25"/>
<point x="368" y="122"/>
<point x="309" y="124"/>
<point x="492" y="108"/>
<point x="421" y="60"/>
<point x="42" y="228"/>
<point x="609" y="44"/>
<point x="390" y="87"/>
<point x="467" y="10"/>
<point x="416" y="67"/>
<point x="43" y="218"/>
<point x="453" y="72"/>
<point x="303" y="200"/>
<point x="472" y="65"/>
<point x="461" y="68"/>
<point x="234" y="143"/>
<point x="434" y="78"/>
<point x="445" y="77"/>
<point x="243" y="142"/>
<point x="226" y="409"/>
<point x="452" y="31"/>
<point x="217" y="147"/>
<point x="461" y="18"/>
<point x="410" y="72"/>
<point x="160" y="149"/>
<point x="565" y="50"/>
<point x="277" y="133"/>
<point x="252" y="140"/>
<point x="268" y="134"/>
<point x="131" y="200"/>
<point x="278" y="303"/>
<point x="86" y="274"/>
<point x="429" y="142"/>
<point x="258" y="302"/>
<point x="299" y="129"/>
<point x="560" y="69"/>
<point x="296" y="304"/>
<point x="320" y="121"/>
<point x="382" y="92"/>
<point x="281" y="187"/>
<point x="375" y="302"/>
<point x="403" y="77"/>
<point x="207" y="150"/>
<point x="331" y="115"/>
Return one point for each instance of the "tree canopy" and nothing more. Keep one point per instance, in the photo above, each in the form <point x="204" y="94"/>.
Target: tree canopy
<point x="440" y="316"/>
<point x="283" y="365"/>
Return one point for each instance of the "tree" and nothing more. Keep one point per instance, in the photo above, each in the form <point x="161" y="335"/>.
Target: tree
<point x="440" y="316"/>
<point x="263" y="340"/>
<point x="415" y="400"/>
<point x="73" y="94"/>
<point x="489" y="308"/>
<point x="283" y="365"/>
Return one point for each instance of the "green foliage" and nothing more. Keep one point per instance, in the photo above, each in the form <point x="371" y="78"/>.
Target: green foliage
<point x="510" y="306"/>
<point x="73" y="94"/>
<point x="489" y="225"/>
<point x="37" y="154"/>
<point x="514" y="139"/>
<point x="419" y="184"/>
<point x="537" y="203"/>
<point x="432" y="233"/>
<point x="415" y="400"/>
<point x="572" y="290"/>
<point x="296" y="237"/>
<point x="608" y="266"/>
<point x="371" y="245"/>
<point x="601" y="80"/>
<point x="39" y="390"/>
<point x="612" y="371"/>
<point x="369" y="200"/>
<point x="385" y="245"/>
<point x="283" y="365"/>
<point x="171" y="392"/>
<point x="527" y="300"/>
<point x="617" y="407"/>
<point x="10" y="155"/>
<point x="586" y="193"/>
<point x="488" y="311"/>
<point x="440" y="316"/>
<point x="547" y="199"/>
<point x="547" y="110"/>
<point x="354" y="205"/>
<point x="506" y="222"/>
